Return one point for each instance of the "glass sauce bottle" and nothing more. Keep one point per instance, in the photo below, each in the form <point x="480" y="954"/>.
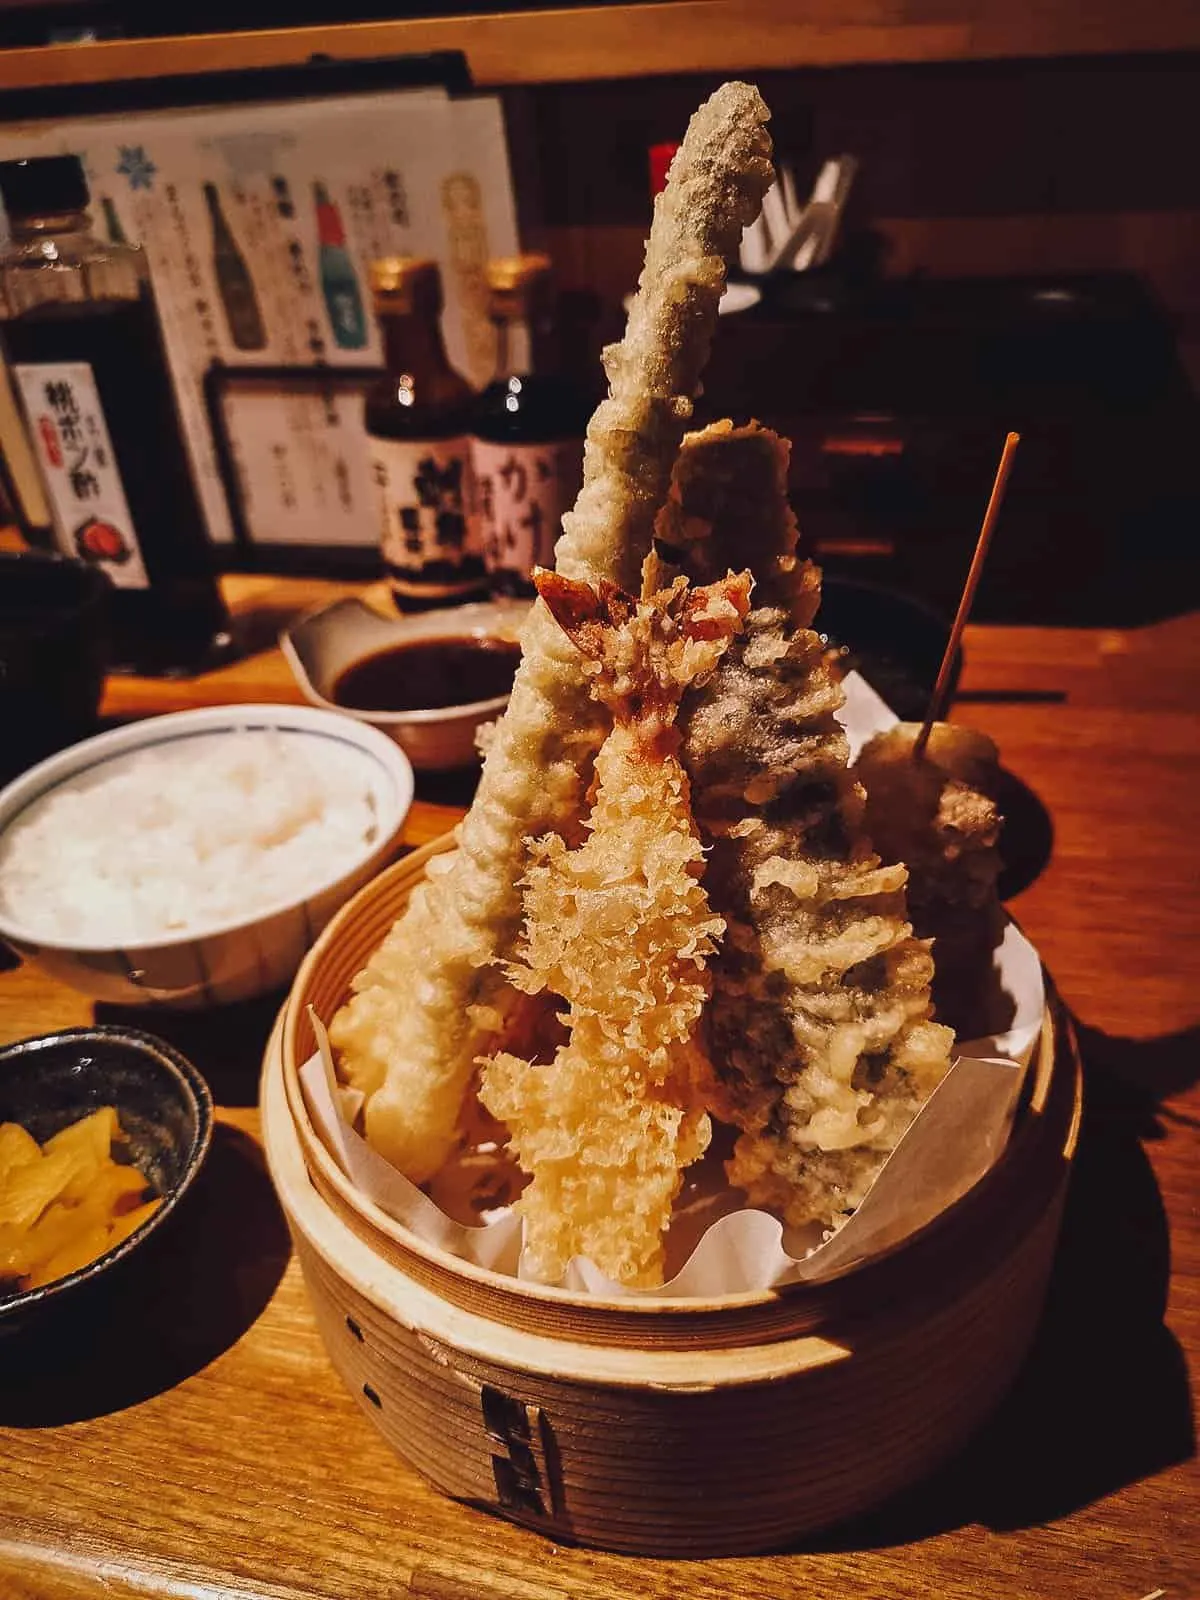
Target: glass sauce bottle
<point x="81" y="335"/>
<point x="529" y="425"/>
<point x="416" y="421"/>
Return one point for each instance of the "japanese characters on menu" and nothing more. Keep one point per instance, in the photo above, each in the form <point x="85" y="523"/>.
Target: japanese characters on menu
<point x="259" y="221"/>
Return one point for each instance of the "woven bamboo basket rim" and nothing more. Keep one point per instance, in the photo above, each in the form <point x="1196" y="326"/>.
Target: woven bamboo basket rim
<point x="987" y="1220"/>
<point x="357" y="1264"/>
<point x="354" y="1262"/>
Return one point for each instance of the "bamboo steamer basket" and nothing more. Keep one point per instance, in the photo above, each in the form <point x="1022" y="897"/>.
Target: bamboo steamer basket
<point x="651" y="1425"/>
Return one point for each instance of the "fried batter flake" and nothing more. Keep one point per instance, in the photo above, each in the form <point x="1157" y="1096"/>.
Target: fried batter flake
<point x="409" y="1035"/>
<point x="620" y="928"/>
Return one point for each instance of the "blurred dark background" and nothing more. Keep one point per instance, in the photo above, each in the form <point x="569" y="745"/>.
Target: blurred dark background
<point x="1021" y="250"/>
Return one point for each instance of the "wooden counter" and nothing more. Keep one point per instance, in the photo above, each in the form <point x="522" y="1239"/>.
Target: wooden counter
<point x="201" y="1446"/>
<point x="555" y="44"/>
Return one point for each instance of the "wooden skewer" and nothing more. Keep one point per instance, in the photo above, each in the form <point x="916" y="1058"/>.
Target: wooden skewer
<point x="937" y="700"/>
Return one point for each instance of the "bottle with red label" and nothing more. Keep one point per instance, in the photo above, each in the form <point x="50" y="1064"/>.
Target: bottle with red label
<point x="417" y="417"/>
<point x="528" y="431"/>
<point x="82" y="341"/>
<point x="339" y="281"/>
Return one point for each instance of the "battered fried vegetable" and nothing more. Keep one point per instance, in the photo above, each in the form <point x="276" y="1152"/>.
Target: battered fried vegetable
<point x="818" y="1025"/>
<point x="621" y="929"/>
<point x="431" y="994"/>
<point x="937" y="815"/>
<point x="728" y="508"/>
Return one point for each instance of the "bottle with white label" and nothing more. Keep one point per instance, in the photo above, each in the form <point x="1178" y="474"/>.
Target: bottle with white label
<point x="81" y="337"/>
<point x="527" y="431"/>
<point x="416" y="420"/>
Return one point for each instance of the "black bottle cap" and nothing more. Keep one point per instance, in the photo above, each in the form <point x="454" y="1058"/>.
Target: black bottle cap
<point x="43" y="186"/>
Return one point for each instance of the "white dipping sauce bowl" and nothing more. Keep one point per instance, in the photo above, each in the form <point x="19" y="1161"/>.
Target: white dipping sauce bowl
<point x="321" y="647"/>
<point x="217" y="962"/>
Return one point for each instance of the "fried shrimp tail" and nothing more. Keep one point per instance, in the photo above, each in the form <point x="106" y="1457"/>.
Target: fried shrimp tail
<point x="422" y="1008"/>
<point x="621" y="929"/>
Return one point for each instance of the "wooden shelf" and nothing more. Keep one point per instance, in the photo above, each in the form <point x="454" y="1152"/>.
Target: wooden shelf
<point x="627" y="41"/>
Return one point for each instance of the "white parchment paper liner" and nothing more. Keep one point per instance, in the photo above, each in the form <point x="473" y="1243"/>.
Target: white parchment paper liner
<point x="717" y="1244"/>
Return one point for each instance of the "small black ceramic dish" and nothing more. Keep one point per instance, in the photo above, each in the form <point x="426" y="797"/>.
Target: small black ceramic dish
<point x="895" y="640"/>
<point x="166" y="1114"/>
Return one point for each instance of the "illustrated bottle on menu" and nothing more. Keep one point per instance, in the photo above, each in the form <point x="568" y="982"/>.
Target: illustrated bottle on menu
<point x="339" y="283"/>
<point x="234" y="283"/>
<point x="527" y="432"/>
<point x="82" y="339"/>
<point x="112" y="222"/>
<point x="416" y="421"/>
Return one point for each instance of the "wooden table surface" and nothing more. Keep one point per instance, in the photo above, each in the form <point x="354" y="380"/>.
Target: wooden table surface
<point x="198" y="1443"/>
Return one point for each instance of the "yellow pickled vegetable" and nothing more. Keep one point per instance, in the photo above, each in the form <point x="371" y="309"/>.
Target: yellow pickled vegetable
<point x="88" y="1144"/>
<point x="17" y="1148"/>
<point x="67" y="1202"/>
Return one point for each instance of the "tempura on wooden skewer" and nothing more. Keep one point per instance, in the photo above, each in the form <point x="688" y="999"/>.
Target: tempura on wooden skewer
<point x="819" y="1022"/>
<point x="432" y="995"/>
<point x="621" y="929"/>
<point x="931" y="804"/>
<point x="938" y="814"/>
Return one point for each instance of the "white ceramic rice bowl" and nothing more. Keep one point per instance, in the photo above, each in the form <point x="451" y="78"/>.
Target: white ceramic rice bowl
<point x="235" y="960"/>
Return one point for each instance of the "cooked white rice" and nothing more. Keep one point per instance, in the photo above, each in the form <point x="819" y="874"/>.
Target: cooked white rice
<point x="188" y="836"/>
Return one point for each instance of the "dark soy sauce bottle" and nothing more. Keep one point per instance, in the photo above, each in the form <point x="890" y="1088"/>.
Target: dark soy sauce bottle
<point x="417" y="418"/>
<point x="82" y="340"/>
<point x="527" y="432"/>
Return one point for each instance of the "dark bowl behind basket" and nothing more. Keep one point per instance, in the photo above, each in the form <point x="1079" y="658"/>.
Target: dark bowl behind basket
<point x="895" y="640"/>
<point x="165" y="1110"/>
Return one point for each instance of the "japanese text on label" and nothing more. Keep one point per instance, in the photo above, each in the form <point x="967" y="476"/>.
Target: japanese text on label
<point x="424" y="493"/>
<point x="92" y="521"/>
<point x="522" y="492"/>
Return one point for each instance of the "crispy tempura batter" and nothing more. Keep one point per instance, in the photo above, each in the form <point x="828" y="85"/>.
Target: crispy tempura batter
<point x="425" y="1001"/>
<point x="728" y="507"/>
<point x="819" y="1019"/>
<point x="621" y="929"/>
<point x="937" y="816"/>
<point x="714" y="189"/>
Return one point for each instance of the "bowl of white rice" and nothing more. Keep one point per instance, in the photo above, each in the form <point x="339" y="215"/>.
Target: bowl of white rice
<point x="192" y="859"/>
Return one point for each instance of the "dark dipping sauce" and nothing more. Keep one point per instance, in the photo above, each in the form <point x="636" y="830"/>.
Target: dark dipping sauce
<point x="429" y="675"/>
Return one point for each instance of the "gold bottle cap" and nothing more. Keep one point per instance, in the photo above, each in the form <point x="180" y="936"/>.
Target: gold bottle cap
<point x="519" y="286"/>
<point x="506" y="273"/>
<point x="396" y="280"/>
